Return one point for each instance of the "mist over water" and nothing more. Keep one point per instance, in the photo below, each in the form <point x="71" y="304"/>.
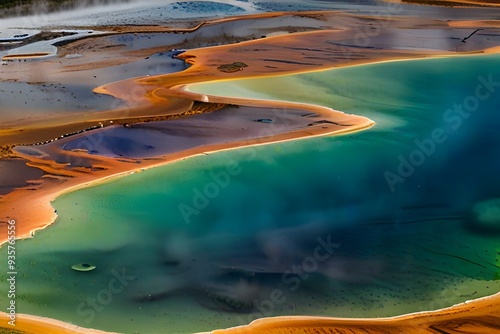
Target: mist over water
<point x="205" y="242"/>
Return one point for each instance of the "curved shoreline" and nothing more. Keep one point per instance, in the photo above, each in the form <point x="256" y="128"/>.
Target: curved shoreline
<point x="121" y="169"/>
<point x="419" y="322"/>
<point x="27" y="202"/>
<point x="156" y="92"/>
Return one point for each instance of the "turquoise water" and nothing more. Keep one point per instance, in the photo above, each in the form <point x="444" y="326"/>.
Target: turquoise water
<point x="324" y="226"/>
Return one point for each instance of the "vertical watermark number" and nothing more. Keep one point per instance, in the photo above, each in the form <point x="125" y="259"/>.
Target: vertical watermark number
<point x="11" y="271"/>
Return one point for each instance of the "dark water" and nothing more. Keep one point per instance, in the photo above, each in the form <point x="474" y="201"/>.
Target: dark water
<point x="381" y="222"/>
<point x="34" y="102"/>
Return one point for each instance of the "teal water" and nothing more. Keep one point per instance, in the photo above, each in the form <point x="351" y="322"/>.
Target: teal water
<point x="324" y="226"/>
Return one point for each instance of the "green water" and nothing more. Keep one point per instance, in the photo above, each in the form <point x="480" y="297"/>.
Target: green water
<point x="185" y="247"/>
